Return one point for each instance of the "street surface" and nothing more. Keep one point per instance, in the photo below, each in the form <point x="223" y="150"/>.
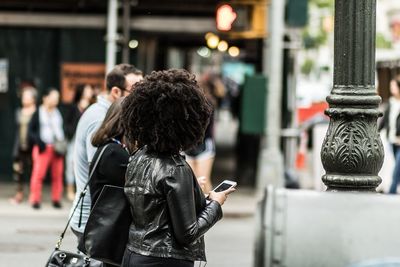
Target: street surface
<point x="28" y="236"/>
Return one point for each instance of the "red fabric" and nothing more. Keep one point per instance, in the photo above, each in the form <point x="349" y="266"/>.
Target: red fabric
<point x="41" y="162"/>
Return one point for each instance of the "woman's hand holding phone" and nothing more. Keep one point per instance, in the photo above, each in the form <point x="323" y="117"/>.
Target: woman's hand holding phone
<point x="221" y="197"/>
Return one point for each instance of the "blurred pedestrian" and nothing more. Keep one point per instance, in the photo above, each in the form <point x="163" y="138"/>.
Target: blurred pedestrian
<point x="22" y="152"/>
<point x="111" y="167"/>
<point x="119" y="83"/>
<point x="214" y="86"/>
<point x="201" y="157"/>
<point x="166" y="114"/>
<point x="45" y="129"/>
<point x="82" y="100"/>
<point x="97" y="90"/>
<point x="391" y="121"/>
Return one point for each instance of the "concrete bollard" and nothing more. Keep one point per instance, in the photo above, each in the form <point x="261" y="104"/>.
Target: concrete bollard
<point x="301" y="228"/>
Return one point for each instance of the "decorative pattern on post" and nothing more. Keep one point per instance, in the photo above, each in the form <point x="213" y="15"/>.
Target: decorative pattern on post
<point x="352" y="152"/>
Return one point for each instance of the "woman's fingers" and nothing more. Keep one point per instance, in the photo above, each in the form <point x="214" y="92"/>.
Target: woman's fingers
<point x="230" y="190"/>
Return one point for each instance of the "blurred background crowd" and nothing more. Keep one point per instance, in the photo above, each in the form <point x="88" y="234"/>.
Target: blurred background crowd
<point x="53" y="55"/>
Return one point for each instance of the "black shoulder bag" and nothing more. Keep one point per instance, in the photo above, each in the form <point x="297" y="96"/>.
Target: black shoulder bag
<point x="62" y="258"/>
<point x="107" y="229"/>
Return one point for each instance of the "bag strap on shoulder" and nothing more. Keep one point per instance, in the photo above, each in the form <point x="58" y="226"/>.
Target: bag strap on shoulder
<point x="82" y="195"/>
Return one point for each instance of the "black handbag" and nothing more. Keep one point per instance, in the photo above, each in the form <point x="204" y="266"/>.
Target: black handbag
<point x="62" y="258"/>
<point x="68" y="259"/>
<point x="107" y="229"/>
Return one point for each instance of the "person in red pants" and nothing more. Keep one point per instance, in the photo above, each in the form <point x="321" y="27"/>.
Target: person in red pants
<point x="45" y="129"/>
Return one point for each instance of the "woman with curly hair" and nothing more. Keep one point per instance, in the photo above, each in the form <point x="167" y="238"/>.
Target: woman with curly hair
<point x="165" y="115"/>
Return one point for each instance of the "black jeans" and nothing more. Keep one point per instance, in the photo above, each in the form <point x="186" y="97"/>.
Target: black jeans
<point x="132" y="259"/>
<point x="395" y="149"/>
<point x="396" y="170"/>
<point x="25" y="162"/>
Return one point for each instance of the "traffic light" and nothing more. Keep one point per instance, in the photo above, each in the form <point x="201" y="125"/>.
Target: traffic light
<point x="242" y="18"/>
<point x="225" y="17"/>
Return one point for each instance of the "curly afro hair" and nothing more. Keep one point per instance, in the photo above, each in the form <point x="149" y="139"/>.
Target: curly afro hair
<point x="167" y="111"/>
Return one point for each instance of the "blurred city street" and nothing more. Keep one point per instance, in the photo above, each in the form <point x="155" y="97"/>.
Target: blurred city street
<point x="296" y="103"/>
<point x="28" y="235"/>
<point x="31" y="234"/>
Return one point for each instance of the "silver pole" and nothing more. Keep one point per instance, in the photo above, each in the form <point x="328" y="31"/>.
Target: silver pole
<point x="270" y="163"/>
<point x="112" y="25"/>
<point x="292" y="133"/>
<point x="126" y="30"/>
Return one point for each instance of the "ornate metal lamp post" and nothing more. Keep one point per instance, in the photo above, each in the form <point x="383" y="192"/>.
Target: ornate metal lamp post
<point x="352" y="152"/>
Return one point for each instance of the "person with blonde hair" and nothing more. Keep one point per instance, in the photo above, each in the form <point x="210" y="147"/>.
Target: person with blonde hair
<point x="22" y="152"/>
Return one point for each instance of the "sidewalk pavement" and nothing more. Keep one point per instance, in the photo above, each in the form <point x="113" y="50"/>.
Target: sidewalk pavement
<point x="241" y="203"/>
<point x="28" y="236"/>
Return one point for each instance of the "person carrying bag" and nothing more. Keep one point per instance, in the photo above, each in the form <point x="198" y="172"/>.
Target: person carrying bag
<point x="62" y="258"/>
<point x="107" y="229"/>
<point x="45" y="127"/>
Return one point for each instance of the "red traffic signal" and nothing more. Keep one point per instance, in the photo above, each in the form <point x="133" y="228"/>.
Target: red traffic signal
<point x="226" y="15"/>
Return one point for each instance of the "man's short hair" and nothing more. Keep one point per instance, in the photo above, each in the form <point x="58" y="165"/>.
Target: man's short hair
<point x="116" y="77"/>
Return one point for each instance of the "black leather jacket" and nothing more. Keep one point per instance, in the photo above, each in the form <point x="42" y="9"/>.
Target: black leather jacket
<point x="170" y="213"/>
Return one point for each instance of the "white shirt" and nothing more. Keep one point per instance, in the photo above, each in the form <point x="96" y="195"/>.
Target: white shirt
<point x="51" y="125"/>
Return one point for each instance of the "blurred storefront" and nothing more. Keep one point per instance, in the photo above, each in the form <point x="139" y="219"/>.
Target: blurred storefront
<point x="39" y="38"/>
<point x="387" y="68"/>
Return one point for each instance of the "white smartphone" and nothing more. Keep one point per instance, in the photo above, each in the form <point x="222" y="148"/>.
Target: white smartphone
<point x="225" y="185"/>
